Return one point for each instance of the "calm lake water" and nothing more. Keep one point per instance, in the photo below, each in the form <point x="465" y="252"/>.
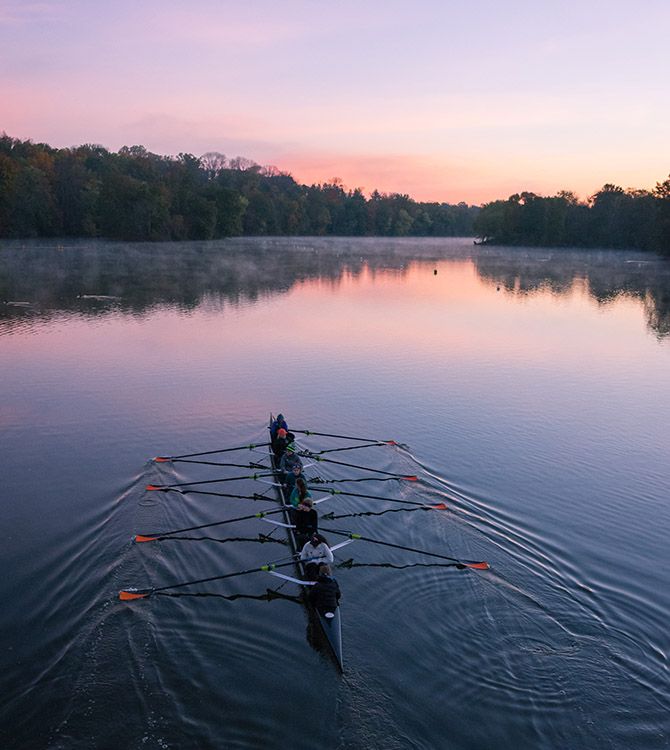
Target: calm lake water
<point x="530" y="388"/>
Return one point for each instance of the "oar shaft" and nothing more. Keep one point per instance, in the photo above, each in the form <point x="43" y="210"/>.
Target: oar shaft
<point x="347" y="448"/>
<point x="394" y="546"/>
<point x="222" y="577"/>
<point x="216" y="494"/>
<point x="221" y="450"/>
<point x="345" y="437"/>
<point x="392" y="478"/>
<point x="219" y="463"/>
<point x="376" y="497"/>
<point x="357" y="466"/>
<point x="210" y="525"/>
<point x="214" y="481"/>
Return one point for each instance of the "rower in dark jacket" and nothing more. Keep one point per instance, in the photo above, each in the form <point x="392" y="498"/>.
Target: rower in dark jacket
<point x="278" y="424"/>
<point x="325" y="593"/>
<point x="306" y="521"/>
<point x="279" y="444"/>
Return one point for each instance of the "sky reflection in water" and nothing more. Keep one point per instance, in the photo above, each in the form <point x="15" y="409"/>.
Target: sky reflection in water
<point x="531" y="383"/>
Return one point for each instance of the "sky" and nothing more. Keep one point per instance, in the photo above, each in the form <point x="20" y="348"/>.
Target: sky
<point x="445" y="100"/>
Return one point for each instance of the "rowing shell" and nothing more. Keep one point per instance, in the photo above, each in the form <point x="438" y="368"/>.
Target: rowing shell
<point x="331" y="627"/>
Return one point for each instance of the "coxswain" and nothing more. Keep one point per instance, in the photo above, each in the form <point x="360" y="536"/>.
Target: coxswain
<point x="278" y="424"/>
<point x="325" y="594"/>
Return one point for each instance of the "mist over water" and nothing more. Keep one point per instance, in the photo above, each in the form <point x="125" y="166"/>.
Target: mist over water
<point x="530" y="388"/>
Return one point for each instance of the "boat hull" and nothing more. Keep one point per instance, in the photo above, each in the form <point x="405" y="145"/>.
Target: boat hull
<point x="330" y="627"/>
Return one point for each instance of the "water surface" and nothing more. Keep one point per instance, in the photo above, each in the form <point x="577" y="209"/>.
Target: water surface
<point x="530" y="387"/>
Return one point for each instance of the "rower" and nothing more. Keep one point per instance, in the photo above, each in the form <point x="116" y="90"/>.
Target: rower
<point x="305" y="519"/>
<point x="299" y="492"/>
<point x="316" y="552"/>
<point x="279" y="444"/>
<point x="278" y="424"/>
<point x="288" y="464"/>
<point x="325" y="593"/>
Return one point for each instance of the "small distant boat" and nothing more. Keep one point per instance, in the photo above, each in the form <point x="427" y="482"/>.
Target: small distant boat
<point x="18" y="304"/>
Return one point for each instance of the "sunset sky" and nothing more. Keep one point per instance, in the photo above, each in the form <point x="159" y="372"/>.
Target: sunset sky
<point x="443" y="100"/>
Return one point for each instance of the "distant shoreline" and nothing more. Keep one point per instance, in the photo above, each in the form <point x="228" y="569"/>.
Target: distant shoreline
<point x="134" y="195"/>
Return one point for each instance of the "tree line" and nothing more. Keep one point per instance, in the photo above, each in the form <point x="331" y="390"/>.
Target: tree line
<point x="612" y="218"/>
<point x="135" y="195"/>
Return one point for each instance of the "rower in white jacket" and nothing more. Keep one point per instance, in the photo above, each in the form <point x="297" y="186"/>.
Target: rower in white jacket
<point x="316" y="552"/>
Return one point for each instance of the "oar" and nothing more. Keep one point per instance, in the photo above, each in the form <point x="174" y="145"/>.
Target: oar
<point x="255" y="496"/>
<point x="428" y="506"/>
<point x="318" y="480"/>
<point x="215" y="463"/>
<point x="346" y="437"/>
<point x="350" y="448"/>
<point x="158" y="536"/>
<point x="131" y="593"/>
<point x="260" y="539"/>
<point x="268" y="596"/>
<point x="151" y="487"/>
<point x="351" y="563"/>
<point x="464" y="563"/>
<point x="162" y="459"/>
<point x="411" y="478"/>
<point x="332" y="517"/>
<point x="262" y="516"/>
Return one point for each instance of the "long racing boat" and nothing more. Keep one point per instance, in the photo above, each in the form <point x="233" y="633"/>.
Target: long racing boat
<point x="325" y="628"/>
<point x="331" y="627"/>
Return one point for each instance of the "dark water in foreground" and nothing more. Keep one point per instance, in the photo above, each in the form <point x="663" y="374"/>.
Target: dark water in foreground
<point x="531" y="390"/>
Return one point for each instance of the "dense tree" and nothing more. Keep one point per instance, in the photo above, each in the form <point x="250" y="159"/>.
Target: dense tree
<point x="134" y="194"/>
<point x="612" y="217"/>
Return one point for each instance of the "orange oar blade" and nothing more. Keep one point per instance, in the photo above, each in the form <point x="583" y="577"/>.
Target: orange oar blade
<point x="142" y="538"/>
<point x="130" y="594"/>
<point x="151" y="487"/>
<point x="391" y="442"/>
<point x="162" y="459"/>
<point x="478" y="565"/>
<point x="438" y="506"/>
<point x="411" y="478"/>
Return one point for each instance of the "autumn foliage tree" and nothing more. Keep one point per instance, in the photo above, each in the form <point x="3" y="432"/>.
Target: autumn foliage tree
<point x="134" y="194"/>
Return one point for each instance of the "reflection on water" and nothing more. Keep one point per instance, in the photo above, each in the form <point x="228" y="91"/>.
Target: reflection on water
<point x="534" y="404"/>
<point x="605" y="275"/>
<point x="92" y="278"/>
